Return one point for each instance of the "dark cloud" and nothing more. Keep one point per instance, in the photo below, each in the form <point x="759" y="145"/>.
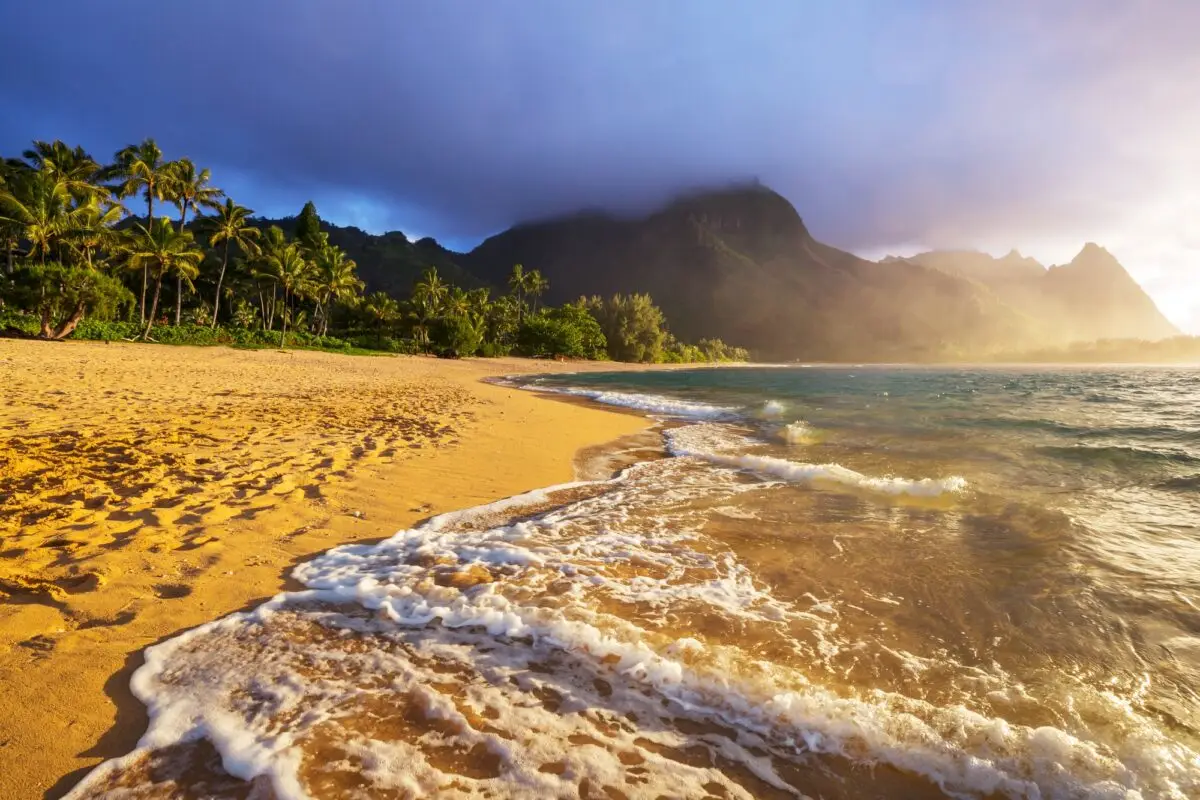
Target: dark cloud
<point x="886" y="123"/>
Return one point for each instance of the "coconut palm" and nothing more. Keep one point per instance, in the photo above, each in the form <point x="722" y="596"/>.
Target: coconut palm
<point x="189" y="189"/>
<point x="77" y="170"/>
<point x="292" y="272"/>
<point x="535" y="286"/>
<point x="479" y="304"/>
<point x="164" y="250"/>
<point x="230" y="227"/>
<point x="382" y="309"/>
<point x="518" y="284"/>
<point x="430" y="291"/>
<point x="457" y="302"/>
<point x="92" y="231"/>
<point x="140" y="168"/>
<point x="37" y="207"/>
<point x="334" y="279"/>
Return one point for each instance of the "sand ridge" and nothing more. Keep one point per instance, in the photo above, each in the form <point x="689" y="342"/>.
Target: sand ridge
<point x="146" y="489"/>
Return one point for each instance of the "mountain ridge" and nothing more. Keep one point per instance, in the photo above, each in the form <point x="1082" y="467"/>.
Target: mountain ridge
<point x="738" y="262"/>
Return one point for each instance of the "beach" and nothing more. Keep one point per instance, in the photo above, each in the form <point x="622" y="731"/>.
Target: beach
<point x="145" y="490"/>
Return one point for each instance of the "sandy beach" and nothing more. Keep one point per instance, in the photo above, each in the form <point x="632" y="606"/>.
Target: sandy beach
<point x="147" y="489"/>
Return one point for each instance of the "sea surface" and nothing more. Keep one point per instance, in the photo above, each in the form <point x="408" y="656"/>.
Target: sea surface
<point x="847" y="582"/>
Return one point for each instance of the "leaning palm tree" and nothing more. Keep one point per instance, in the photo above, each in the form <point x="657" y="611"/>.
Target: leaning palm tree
<point x="164" y="250"/>
<point x="293" y="272"/>
<point x="189" y="189"/>
<point x="140" y="168"/>
<point x="229" y="227"/>
<point x="334" y="279"/>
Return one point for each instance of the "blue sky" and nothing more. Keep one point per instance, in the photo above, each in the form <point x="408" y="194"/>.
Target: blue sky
<point x="892" y="126"/>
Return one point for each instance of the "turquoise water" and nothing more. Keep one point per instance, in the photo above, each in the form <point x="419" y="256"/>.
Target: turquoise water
<point x="857" y="582"/>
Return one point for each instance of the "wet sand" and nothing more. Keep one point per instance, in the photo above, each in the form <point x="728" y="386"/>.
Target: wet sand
<point x="147" y="489"/>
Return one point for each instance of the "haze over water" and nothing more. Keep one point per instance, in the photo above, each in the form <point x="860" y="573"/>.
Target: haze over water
<point x="826" y="582"/>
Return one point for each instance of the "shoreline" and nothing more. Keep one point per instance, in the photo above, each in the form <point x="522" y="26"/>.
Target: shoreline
<point x="87" y="584"/>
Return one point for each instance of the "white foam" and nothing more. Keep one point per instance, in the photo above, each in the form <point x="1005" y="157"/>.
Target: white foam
<point x="773" y="408"/>
<point x="614" y="589"/>
<point x="650" y="403"/>
<point x="717" y="445"/>
<point x="797" y="432"/>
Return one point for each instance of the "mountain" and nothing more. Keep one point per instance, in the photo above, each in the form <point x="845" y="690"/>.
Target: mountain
<point x="389" y="262"/>
<point x="1092" y="297"/>
<point x="740" y="264"/>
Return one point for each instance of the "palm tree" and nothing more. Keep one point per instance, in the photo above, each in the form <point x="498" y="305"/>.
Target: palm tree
<point x="334" y="280"/>
<point x="292" y="271"/>
<point x="518" y="283"/>
<point x="457" y="303"/>
<point x="229" y="227"/>
<point x="36" y="205"/>
<point x="430" y="291"/>
<point x="93" y="229"/>
<point x="10" y="168"/>
<point x="479" y="303"/>
<point x="164" y="249"/>
<point x="140" y="167"/>
<point x="77" y="170"/>
<point x="189" y="189"/>
<point x="383" y="309"/>
<point x="535" y="286"/>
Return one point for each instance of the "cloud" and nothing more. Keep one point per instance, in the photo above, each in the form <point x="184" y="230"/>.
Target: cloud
<point x="944" y="123"/>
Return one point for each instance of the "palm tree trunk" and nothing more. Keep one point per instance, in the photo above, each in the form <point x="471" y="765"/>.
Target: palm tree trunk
<point x="153" y="306"/>
<point x="220" y="278"/>
<point x="9" y="248"/>
<point x="145" y="269"/>
<point x="69" y="325"/>
<point x="283" y="322"/>
<point x="179" y="278"/>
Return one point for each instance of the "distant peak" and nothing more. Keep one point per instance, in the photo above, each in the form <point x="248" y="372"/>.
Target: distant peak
<point x="1093" y="255"/>
<point x="742" y="206"/>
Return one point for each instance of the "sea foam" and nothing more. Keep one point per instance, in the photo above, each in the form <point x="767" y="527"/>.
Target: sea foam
<point x="421" y="664"/>
<point x="719" y="446"/>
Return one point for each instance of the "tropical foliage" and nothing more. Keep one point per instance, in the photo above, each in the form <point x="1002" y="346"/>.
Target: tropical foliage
<point x="79" y="261"/>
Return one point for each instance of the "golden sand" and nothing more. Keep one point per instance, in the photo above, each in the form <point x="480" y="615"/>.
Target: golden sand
<point x="146" y="489"/>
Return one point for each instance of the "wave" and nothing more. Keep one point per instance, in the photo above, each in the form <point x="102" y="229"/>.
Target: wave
<point x="773" y="408"/>
<point x="1119" y="455"/>
<point x="650" y="403"/>
<point x="421" y="664"/>
<point x="1185" y="482"/>
<point x="718" y="446"/>
<point x="797" y="432"/>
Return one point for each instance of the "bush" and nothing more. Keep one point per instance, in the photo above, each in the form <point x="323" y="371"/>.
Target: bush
<point x="455" y="337"/>
<point x="494" y="350"/>
<point x="543" y="337"/>
<point x="63" y="296"/>
<point x="569" y="332"/>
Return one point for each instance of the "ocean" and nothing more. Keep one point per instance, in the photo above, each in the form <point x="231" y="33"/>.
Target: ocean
<point x="850" y="582"/>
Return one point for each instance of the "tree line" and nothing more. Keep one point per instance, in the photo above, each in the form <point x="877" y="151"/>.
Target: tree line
<point x="80" y="260"/>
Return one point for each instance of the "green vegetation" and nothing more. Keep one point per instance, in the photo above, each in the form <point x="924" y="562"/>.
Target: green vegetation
<point x="79" y="263"/>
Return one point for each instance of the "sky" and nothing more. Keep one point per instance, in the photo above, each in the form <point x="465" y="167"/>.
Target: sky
<point x="893" y="127"/>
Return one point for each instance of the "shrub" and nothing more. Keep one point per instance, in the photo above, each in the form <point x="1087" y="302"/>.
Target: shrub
<point x="455" y="337"/>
